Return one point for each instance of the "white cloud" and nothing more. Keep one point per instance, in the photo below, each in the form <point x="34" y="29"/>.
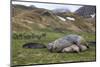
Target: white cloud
<point x="49" y="6"/>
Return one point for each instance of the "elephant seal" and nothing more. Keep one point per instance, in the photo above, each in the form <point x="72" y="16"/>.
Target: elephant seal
<point x="58" y="45"/>
<point x="61" y="43"/>
<point x="74" y="48"/>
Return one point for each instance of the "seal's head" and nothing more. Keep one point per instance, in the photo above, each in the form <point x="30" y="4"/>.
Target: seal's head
<point x="50" y="47"/>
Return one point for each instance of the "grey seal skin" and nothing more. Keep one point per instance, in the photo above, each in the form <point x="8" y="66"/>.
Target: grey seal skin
<point x="59" y="44"/>
<point x="76" y="39"/>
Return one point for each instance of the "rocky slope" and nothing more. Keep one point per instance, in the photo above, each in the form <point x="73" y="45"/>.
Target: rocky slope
<point x="86" y="11"/>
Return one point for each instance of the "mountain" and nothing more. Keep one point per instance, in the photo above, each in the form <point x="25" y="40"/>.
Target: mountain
<point x="61" y="10"/>
<point x="86" y="11"/>
<point x="39" y="19"/>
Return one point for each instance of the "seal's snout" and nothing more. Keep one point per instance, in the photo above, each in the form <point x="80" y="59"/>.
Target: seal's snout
<point x="49" y="47"/>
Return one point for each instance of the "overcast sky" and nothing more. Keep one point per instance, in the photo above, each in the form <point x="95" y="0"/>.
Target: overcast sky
<point x="72" y="8"/>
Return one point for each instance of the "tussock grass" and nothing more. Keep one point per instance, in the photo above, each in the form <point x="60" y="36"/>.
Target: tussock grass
<point x="22" y="56"/>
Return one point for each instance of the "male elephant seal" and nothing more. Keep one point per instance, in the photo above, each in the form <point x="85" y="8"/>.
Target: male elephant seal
<point x="74" y="48"/>
<point x="59" y="44"/>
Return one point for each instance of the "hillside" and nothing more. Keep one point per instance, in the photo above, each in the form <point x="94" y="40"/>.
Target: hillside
<point x="39" y="19"/>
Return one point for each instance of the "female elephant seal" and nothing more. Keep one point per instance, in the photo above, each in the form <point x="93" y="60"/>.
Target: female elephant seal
<point x="74" y="48"/>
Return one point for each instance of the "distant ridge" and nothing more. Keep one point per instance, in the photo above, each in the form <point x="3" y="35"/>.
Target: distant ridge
<point x="86" y="11"/>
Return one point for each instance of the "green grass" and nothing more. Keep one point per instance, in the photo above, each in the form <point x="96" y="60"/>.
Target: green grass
<point x="22" y="56"/>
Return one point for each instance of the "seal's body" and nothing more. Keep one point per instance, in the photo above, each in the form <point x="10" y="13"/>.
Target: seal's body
<point x="76" y="39"/>
<point x="74" y="48"/>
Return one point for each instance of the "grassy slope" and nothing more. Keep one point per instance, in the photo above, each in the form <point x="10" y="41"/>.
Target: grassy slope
<point x="21" y="56"/>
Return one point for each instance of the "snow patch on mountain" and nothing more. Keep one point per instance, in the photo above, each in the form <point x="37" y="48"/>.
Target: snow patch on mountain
<point x="61" y="18"/>
<point x="70" y="18"/>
